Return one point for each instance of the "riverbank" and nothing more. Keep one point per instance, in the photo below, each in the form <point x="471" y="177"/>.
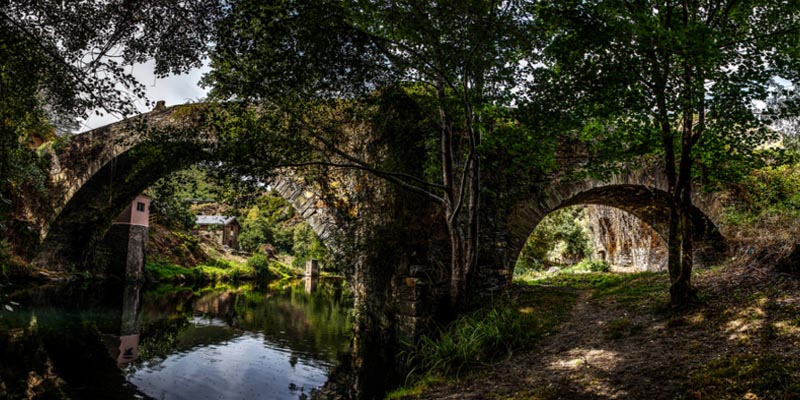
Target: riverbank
<point x="621" y="341"/>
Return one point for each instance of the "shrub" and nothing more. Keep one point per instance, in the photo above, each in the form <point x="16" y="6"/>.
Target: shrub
<point x="260" y="264"/>
<point x="472" y="340"/>
<point x="587" y="265"/>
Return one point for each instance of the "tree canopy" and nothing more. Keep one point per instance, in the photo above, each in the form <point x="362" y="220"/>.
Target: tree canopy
<point x="683" y="75"/>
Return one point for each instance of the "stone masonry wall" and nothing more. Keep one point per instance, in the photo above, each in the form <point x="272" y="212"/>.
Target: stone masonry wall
<point x="626" y="242"/>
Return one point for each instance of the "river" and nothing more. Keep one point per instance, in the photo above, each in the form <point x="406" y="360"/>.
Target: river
<point x="100" y="341"/>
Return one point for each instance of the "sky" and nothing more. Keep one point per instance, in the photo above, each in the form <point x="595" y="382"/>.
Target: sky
<point x="174" y="89"/>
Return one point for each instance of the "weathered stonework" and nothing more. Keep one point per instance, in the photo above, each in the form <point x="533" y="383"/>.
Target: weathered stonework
<point x="127" y="246"/>
<point x="393" y="243"/>
<point x="641" y="193"/>
<point x="627" y="243"/>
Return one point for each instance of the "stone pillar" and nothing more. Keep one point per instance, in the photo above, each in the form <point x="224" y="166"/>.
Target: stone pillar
<point x="312" y="267"/>
<point x="127" y="240"/>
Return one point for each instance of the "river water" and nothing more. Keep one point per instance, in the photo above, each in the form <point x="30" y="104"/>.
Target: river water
<point x="95" y="341"/>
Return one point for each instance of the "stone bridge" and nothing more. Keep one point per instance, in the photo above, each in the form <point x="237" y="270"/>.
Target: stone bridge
<point x="641" y="193"/>
<point x="396" y="269"/>
<point x="97" y="173"/>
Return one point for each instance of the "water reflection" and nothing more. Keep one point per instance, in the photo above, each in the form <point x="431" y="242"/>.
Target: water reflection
<point x="173" y="342"/>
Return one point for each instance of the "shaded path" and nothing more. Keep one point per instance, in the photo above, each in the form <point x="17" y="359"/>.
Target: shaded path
<point x="603" y="351"/>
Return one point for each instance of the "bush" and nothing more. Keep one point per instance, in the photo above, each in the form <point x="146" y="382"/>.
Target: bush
<point x="559" y="238"/>
<point x="307" y="246"/>
<point x="587" y="265"/>
<point x="260" y="264"/>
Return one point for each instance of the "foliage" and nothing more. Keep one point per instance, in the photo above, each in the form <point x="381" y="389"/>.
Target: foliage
<point x="489" y="334"/>
<point x="296" y="54"/>
<point x="588" y="265"/>
<point x="167" y="207"/>
<point x="472" y="340"/>
<point x="773" y="190"/>
<point x="260" y="263"/>
<point x="559" y="238"/>
<point x="786" y="100"/>
<point x="683" y="75"/>
<point x="774" y="187"/>
<point x="272" y="220"/>
<point x="81" y="49"/>
<point x="255" y="231"/>
<point x="269" y="221"/>
<point x="308" y="246"/>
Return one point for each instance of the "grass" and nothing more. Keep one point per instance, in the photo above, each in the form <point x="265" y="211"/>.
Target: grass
<point x="624" y="288"/>
<point x="485" y="336"/>
<point x="751" y="376"/>
<point x="258" y="267"/>
<point x="219" y="271"/>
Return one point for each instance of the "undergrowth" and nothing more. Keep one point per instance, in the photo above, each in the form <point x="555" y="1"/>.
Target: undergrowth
<point x="751" y="376"/>
<point x="485" y="336"/>
<point x="216" y="271"/>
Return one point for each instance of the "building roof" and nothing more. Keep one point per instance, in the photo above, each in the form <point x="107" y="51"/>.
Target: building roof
<point x="215" y="220"/>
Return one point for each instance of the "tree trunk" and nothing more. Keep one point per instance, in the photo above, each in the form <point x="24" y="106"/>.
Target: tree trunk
<point x="458" y="263"/>
<point x="681" y="292"/>
<point x="674" y="243"/>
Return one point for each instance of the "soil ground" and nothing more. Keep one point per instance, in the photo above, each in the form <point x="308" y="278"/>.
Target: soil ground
<point x="621" y="341"/>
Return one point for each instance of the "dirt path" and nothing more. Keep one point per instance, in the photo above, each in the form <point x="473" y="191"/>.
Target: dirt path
<point x="620" y="341"/>
<point x="602" y="352"/>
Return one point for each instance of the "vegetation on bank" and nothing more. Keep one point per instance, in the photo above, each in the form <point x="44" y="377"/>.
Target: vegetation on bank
<point x="560" y="239"/>
<point x="258" y="267"/>
<point x="270" y="226"/>
<point x="737" y="342"/>
<point x="512" y="323"/>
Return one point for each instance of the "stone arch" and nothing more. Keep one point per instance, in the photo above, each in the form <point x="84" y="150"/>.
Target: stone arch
<point x="98" y="173"/>
<point x="647" y="203"/>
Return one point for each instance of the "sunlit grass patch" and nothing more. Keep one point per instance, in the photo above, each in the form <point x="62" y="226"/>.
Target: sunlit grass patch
<point x="213" y="272"/>
<point x="415" y="390"/>
<point x="623" y="288"/>
<point x="752" y="376"/>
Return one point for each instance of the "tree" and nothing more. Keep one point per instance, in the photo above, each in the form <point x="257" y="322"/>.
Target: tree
<point x="684" y="74"/>
<point x="81" y="49"/>
<point x="561" y="230"/>
<point x="785" y="101"/>
<point x="61" y="60"/>
<point x="466" y="55"/>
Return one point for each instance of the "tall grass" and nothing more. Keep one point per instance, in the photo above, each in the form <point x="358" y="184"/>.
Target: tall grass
<point x="472" y="340"/>
<point x="488" y="335"/>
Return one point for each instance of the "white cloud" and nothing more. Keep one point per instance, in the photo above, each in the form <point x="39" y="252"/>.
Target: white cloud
<point x="175" y="89"/>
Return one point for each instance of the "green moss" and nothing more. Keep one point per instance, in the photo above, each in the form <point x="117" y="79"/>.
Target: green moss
<point x="417" y="389"/>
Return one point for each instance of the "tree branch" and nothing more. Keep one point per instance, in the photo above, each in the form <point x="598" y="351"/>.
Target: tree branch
<point x="392" y="177"/>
